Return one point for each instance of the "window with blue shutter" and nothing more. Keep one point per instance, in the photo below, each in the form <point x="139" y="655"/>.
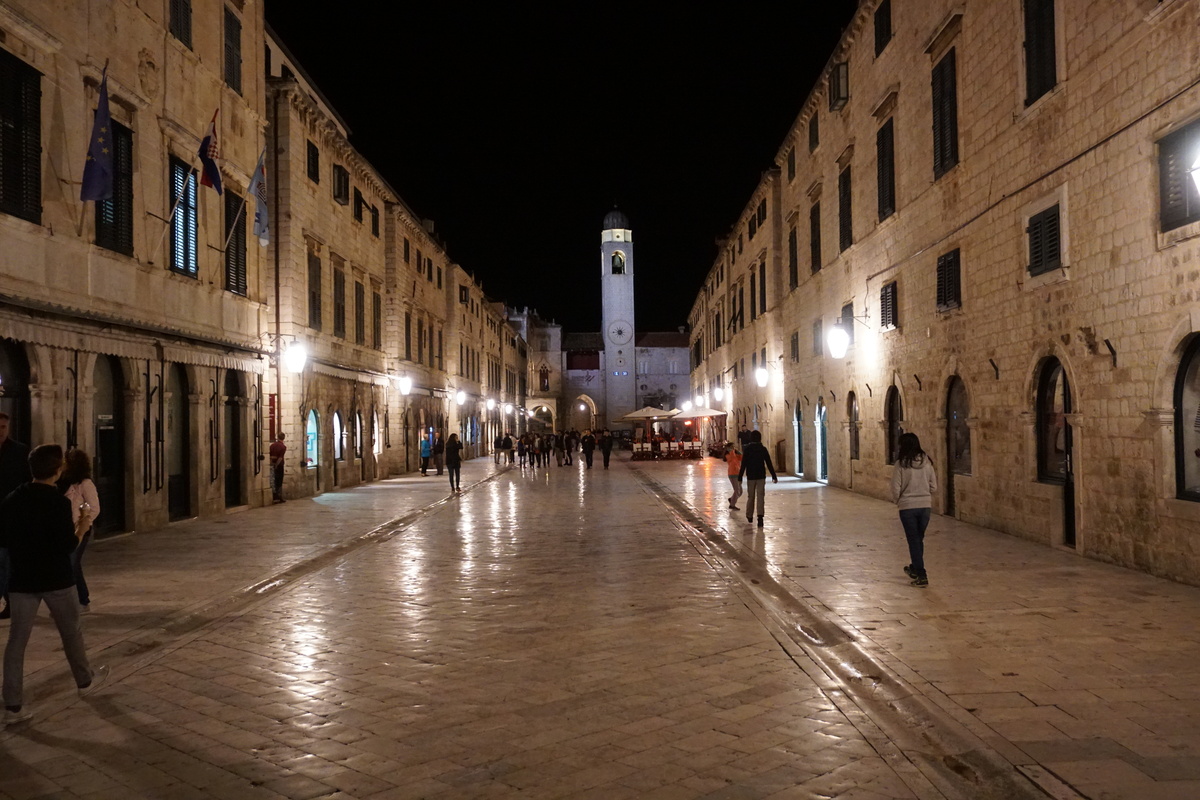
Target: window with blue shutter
<point x="183" y="224"/>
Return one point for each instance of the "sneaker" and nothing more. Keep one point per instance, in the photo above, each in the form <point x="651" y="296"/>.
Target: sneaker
<point x="908" y="570"/>
<point x="99" y="676"/>
<point x="14" y="717"/>
<point x="920" y="580"/>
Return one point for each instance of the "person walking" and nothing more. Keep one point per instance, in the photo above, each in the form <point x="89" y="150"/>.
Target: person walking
<point x="426" y="454"/>
<point x="606" y="445"/>
<point x="454" y="462"/>
<point x="14" y="471"/>
<point x="587" y="443"/>
<point x="521" y="450"/>
<point x="559" y="445"/>
<point x="76" y="484"/>
<point x="755" y="463"/>
<point x="439" y="452"/>
<point x="508" y="448"/>
<point x="734" y="461"/>
<point x="277" y="452"/>
<point x="36" y="528"/>
<point x="743" y="437"/>
<point x="913" y="485"/>
<point x="568" y="447"/>
<point x="497" y="449"/>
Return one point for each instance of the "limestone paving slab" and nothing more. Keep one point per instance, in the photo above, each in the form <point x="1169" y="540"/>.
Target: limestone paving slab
<point x="547" y="634"/>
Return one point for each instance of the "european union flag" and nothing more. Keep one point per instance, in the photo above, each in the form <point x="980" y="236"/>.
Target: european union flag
<point x="98" y="170"/>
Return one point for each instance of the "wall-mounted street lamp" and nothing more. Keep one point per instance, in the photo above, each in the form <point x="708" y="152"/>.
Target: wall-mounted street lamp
<point x="838" y="336"/>
<point x="460" y="397"/>
<point x="491" y="404"/>
<point x="295" y="356"/>
<point x="508" y="408"/>
<point x="700" y="401"/>
<point x="761" y="376"/>
<point x="718" y="394"/>
<point x="405" y="385"/>
<point x="687" y="405"/>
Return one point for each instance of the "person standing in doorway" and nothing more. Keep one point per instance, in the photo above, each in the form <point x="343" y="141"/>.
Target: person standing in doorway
<point x="734" y="461"/>
<point x="277" y="453"/>
<point x="426" y="453"/>
<point x="439" y="452"/>
<point x="588" y="445"/>
<point x="76" y="484"/>
<point x="913" y="485"/>
<point x="756" y="461"/>
<point x="36" y="528"/>
<point x="454" y="463"/>
<point x="606" y="445"/>
<point x="14" y="471"/>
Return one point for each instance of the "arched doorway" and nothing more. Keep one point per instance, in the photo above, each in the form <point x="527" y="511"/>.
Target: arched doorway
<point x="822" y="443"/>
<point x="958" y="439"/>
<point x="852" y="429"/>
<point x="893" y="419"/>
<point x="798" y="431"/>
<point x="583" y="413"/>
<point x="339" y="444"/>
<point x="312" y="445"/>
<point x="179" y="490"/>
<point x="1055" y="439"/>
<point x="14" y="390"/>
<point x="358" y="446"/>
<point x="1187" y="424"/>
<point x="108" y="466"/>
<point x="232" y="439"/>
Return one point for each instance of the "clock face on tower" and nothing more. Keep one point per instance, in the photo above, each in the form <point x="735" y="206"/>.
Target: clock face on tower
<point x="620" y="332"/>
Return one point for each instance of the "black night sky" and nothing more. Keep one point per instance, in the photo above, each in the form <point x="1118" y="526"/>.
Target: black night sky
<point x="516" y="128"/>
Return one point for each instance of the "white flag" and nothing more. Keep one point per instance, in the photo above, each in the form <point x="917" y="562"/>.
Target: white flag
<point x="258" y="190"/>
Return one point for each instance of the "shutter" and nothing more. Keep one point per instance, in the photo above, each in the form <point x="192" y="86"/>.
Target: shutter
<point x="845" y="223"/>
<point x="377" y="321"/>
<point x="887" y="307"/>
<point x="114" y="217"/>
<point x="1041" y="72"/>
<point x="314" y="163"/>
<point x="814" y="235"/>
<point x="181" y="21"/>
<point x="20" y="139"/>
<point x="1178" y="198"/>
<point x="1044" y="241"/>
<point x="814" y="133"/>
<point x="945" y="115"/>
<point x="885" y="164"/>
<point x="360" y="314"/>
<point x="314" y="291"/>
<point x="793" y="260"/>
<point x="762" y="287"/>
<point x="948" y="281"/>
<point x="339" y="303"/>
<point x="235" y="250"/>
<point x="233" y="51"/>
<point x="883" y="26"/>
<point x="753" y="299"/>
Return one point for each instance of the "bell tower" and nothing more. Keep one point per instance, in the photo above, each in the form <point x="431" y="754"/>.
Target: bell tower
<point x="616" y="289"/>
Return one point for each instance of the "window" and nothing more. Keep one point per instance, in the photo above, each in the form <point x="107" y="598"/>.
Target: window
<point x="339" y="303"/>
<point x="406" y="252"/>
<point x="235" y="248"/>
<point x="360" y="313"/>
<point x="1187" y="423"/>
<point x="958" y="434"/>
<point x="762" y="211"/>
<point x="429" y="270"/>
<point x="183" y="224"/>
<point x="847" y="322"/>
<point x="339" y="437"/>
<point x="359" y="205"/>
<point x="762" y="287"/>
<point x="20" y="139"/>
<point x="1179" y="201"/>
<point x="949" y="281"/>
<point x="114" y="217"/>
<point x="751" y="228"/>
<point x="814" y="133"/>
<point x="818" y="344"/>
<point x="374" y="221"/>
<point x="181" y="21"/>
<point x="753" y="298"/>
<point x="883" y="26"/>
<point x="893" y="418"/>
<point x="888" y="318"/>
<point x="1040" y="69"/>
<point x="312" y="436"/>
<point x="886" y="170"/>
<point x="845" y="206"/>
<point x="839" y="86"/>
<point x="341" y="184"/>
<point x="795" y="346"/>
<point x="1053" y="432"/>
<point x="1044" y="241"/>
<point x="793" y="260"/>
<point x="314" y="291"/>
<point x="376" y="320"/>
<point x="853" y="426"/>
<point x="420" y="341"/>
<point x="791" y="165"/>
<point x="814" y="236"/>
<point x="233" y="51"/>
<point x="439" y="277"/>
<point x="618" y="263"/>
<point x="358" y="434"/>
<point x="408" y="335"/>
<point x="314" y="163"/>
<point x="945" y="116"/>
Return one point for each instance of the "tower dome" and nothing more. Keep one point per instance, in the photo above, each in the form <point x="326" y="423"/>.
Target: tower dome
<point x="615" y="221"/>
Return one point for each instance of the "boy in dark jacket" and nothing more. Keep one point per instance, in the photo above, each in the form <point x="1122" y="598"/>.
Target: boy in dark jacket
<point x="36" y="528"/>
<point x="755" y="463"/>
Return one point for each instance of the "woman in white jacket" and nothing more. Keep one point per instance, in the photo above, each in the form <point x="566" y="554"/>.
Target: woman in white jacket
<point x="76" y="484"/>
<point x="913" y="485"/>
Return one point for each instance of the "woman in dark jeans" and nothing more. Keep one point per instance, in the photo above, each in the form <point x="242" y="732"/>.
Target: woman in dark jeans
<point x="454" y="462"/>
<point x="76" y="484"/>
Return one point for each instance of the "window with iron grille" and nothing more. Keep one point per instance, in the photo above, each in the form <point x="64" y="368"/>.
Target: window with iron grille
<point x="183" y="224"/>
<point x="1045" y="243"/>
<point x="376" y="320"/>
<point x="888" y="318"/>
<point x="795" y="346"/>
<point x="847" y="321"/>
<point x="114" y="217"/>
<point x="181" y="21"/>
<point x="886" y="170"/>
<point x="341" y="184"/>
<point x="1179" y="201"/>
<point x="314" y="291"/>
<point x="314" y="163"/>
<point x="1041" y="72"/>
<point x="235" y="248"/>
<point x="793" y="260"/>
<point x="359" y="205"/>
<point x="845" y="206"/>
<point x="949" y="280"/>
<point x="360" y="313"/>
<point x="883" y="26"/>
<point x="20" y="139"/>
<point x="814" y="236"/>
<point x="233" y="51"/>
<point x="945" y="115"/>
<point x="814" y="133"/>
<point x="339" y="303"/>
<point x="817" y="343"/>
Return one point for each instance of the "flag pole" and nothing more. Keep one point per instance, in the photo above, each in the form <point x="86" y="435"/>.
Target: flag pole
<point x="171" y="216"/>
<point x="229" y="237"/>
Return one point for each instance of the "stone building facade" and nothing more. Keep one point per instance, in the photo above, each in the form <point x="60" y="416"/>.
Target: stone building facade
<point x="149" y="329"/>
<point x="993" y="207"/>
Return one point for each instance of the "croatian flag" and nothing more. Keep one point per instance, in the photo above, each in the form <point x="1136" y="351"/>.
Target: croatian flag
<point x="210" y="175"/>
<point x="258" y="190"/>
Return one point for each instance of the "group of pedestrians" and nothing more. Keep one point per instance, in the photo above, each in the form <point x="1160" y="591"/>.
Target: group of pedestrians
<point x="446" y="456"/>
<point x="538" y="449"/>
<point x="48" y="504"/>
<point x="913" y="485"/>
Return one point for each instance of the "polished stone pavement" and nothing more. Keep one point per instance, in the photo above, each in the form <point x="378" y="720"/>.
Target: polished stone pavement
<point x="609" y="634"/>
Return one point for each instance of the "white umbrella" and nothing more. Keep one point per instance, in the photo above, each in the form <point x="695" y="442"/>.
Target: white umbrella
<point x="648" y="413"/>
<point x="699" y="413"/>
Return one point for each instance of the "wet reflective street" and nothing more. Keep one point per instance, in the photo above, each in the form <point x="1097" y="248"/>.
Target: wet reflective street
<point x="608" y="634"/>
